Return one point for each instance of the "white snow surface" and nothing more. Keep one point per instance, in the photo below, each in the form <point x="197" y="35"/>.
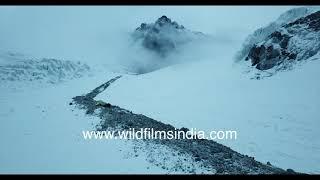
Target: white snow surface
<point x="276" y="118"/>
<point x="40" y="133"/>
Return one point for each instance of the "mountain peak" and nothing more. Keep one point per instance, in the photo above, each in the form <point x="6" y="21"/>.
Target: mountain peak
<point x="163" y="36"/>
<point x="163" y="20"/>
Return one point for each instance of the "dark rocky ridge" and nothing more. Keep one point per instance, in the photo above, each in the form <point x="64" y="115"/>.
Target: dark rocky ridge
<point x="312" y="21"/>
<point x="294" y="41"/>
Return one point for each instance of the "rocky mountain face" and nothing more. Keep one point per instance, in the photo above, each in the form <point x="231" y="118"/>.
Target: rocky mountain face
<point x="290" y="43"/>
<point x="163" y="36"/>
<point x="262" y="33"/>
<point x="294" y="41"/>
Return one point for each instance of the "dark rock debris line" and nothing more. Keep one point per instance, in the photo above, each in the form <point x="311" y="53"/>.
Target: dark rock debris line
<point x="213" y="155"/>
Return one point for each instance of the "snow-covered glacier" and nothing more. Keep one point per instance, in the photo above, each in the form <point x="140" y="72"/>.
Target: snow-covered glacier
<point x="19" y="70"/>
<point x="166" y="68"/>
<point x="276" y="117"/>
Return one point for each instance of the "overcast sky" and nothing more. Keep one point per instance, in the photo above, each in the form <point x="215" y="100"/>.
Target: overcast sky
<point x="82" y="32"/>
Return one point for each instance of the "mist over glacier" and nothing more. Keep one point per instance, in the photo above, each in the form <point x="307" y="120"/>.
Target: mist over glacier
<point x="101" y="35"/>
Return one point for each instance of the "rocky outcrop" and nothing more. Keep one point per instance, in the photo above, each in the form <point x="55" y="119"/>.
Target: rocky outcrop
<point x="163" y="36"/>
<point x="261" y="34"/>
<point x="267" y="56"/>
<point x="294" y="41"/>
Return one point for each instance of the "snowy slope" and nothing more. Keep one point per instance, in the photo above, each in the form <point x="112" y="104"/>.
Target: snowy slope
<point x="41" y="133"/>
<point x="276" y="118"/>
